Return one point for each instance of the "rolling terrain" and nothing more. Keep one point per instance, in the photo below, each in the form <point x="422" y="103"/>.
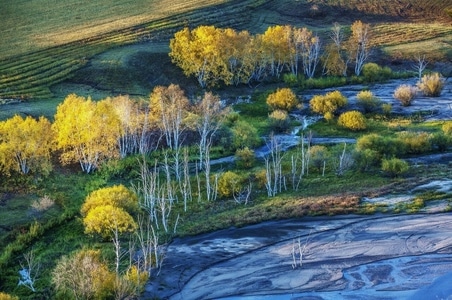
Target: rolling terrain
<point x="49" y="45"/>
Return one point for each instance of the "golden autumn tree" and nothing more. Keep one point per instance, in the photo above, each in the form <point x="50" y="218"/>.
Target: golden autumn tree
<point x="276" y="46"/>
<point x="86" y="132"/>
<point x="110" y="222"/>
<point x="199" y="52"/>
<point x="117" y="195"/>
<point x="25" y="145"/>
<point x="107" y="212"/>
<point x="236" y="48"/>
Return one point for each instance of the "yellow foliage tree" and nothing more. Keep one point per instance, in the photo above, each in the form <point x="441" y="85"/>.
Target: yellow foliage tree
<point x="86" y="132"/>
<point x="117" y="195"/>
<point x="283" y="99"/>
<point x="199" y="52"/>
<point x="277" y="48"/>
<point x="25" y="145"/>
<point x="110" y="222"/>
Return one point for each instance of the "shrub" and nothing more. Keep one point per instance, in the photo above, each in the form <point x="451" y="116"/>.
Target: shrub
<point x="42" y="204"/>
<point x="405" y="93"/>
<point x="368" y="101"/>
<point x="431" y="85"/>
<point x="384" y="146"/>
<point x="290" y="79"/>
<point x="394" y="167"/>
<point x="415" y="142"/>
<point x="4" y="296"/>
<point x="373" y="72"/>
<point x="318" y="155"/>
<point x="440" y="141"/>
<point x="279" y="120"/>
<point x="229" y="183"/>
<point x="283" y="99"/>
<point x="366" y="158"/>
<point x="353" y="120"/>
<point x="245" y="158"/>
<point x="447" y="128"/>
<point x="387" y="108"/>
<point x="244" y="135"/>
<point x="328" y="103"/>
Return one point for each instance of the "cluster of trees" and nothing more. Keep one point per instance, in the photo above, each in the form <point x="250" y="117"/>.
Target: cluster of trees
<point x="90" y="132"/>
<point x="213" y="55"/>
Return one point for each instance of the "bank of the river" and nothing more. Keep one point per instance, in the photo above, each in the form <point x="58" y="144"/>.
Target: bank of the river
<point x="344" y="257"/>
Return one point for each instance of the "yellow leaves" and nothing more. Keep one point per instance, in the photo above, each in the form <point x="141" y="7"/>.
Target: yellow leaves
<point x="117" y="195"/>
<point x="327" y="104"/>
<point x="25" y="145"/>
<point x="107" y="220"/>
<point x="283" y="99"/>
<point x="86" y="131"/>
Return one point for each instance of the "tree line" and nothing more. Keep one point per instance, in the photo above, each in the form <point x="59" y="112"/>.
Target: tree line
<point x="215" y="55"/>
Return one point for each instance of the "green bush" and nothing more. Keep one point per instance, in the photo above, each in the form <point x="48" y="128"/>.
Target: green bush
<point x="327" y="104"/>
<point x="440" y="141"/>
<point x="431" y="85"/>
<point x="415" y="142"/>
<point x="368" y="101"/>
<point x="244" y="135"/>
<point x="373" y="72"/>
<point x="279" y="121"/>
<point x="366" y="158"/>
<point x="245" y="158"/>
<point x="384" y="146"/>
<point x="405" y="93"/>
<point x="318" y="156"/>
<point x="386" y="108"/>
<point x="394" y="167"/>
<point x="229" y="183"/>
<point x="291" y="79"/>
<point x="353" y="120"/>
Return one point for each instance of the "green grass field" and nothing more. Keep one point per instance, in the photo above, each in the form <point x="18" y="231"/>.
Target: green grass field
<point x="45" y="42"/>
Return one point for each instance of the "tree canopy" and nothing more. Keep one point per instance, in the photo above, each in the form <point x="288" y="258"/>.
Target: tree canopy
<point x="25" y="145"/>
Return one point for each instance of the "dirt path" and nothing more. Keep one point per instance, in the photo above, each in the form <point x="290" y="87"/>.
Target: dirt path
<point x="379" y="257"/>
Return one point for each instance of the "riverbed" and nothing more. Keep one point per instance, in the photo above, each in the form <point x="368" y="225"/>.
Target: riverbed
<point x="343" y="257"/>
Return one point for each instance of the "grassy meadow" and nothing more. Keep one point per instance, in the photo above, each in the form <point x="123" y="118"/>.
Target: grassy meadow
<point x="53" y="48"/>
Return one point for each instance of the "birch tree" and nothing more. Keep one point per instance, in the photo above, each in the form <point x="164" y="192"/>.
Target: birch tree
<point x="86" y="132"/>
<point x="276" y="48"/>
<point x="275" y="181"/>
<point x="360" y="44"/>
<point x="25" y="145"/>
<point x="170" y="106"/>
<point x="337" y="58"/>
<point x="110" y="222"/>
<point x="135" y="126"/>
<point x="308" y="47"/>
